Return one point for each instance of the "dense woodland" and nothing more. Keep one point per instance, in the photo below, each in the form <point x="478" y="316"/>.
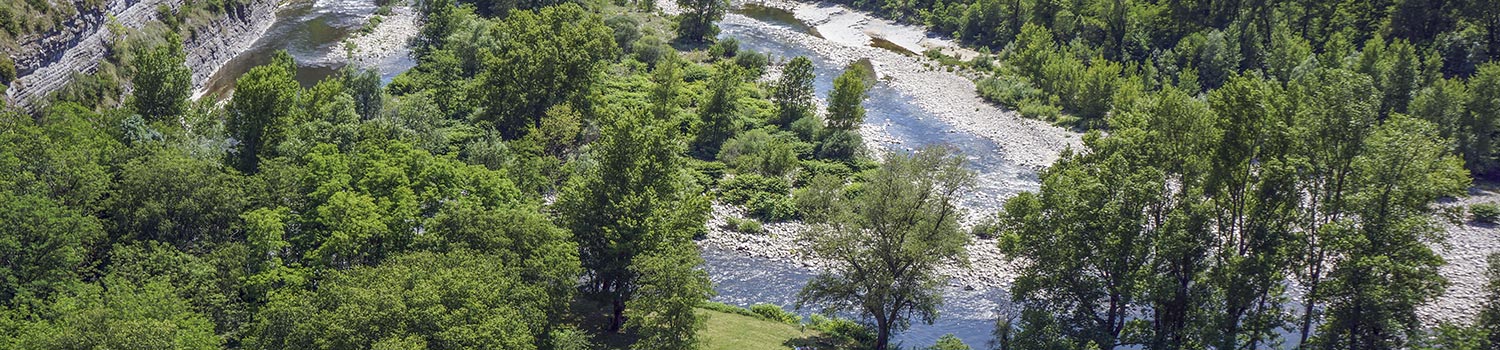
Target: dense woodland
<point x="1257" y="174"/>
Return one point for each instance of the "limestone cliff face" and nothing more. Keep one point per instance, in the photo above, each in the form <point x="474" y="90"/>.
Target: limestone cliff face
<point x="213" y="45"/>
<point x="46" y="61"/>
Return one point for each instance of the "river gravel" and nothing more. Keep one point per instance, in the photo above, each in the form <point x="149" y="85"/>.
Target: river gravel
<point x="389" y="40"/>
<point x="844" y="35"/>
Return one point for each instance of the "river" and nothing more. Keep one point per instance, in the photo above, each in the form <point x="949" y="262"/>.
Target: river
<point x="312" y="31"/>
<point x="968" y="313"/>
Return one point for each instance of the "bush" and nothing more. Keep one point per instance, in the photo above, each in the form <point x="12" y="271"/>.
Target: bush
<point x="840" y="145"/>
<point x="848" y="334"/>
<point x="741" y="188"/>
<point x="949" y="342"/>
<point x="713" y="170"/>
<point x="753" y="62"/>
<point x="7" y="70"/>
<point x="987" y="229"/>
<point x="757" y="151"/>
<point x="649" y="49"/>
<point x="771" y="207"/>
<point x="695" y="72"/>
<point x="812" y="168"/>
<point x="1485" y="212"/>
<point x="815" y="201"/>
<point x="626" y="31"/>
<point x="728" y="47"/>
<point x="1007" y="90"/>
<point x="775" y="313"/>
<point x="728" y="309"/>
<point x="1040" y="110"/>
<point x="807" y="128"/>
<point x="744" y="225"/>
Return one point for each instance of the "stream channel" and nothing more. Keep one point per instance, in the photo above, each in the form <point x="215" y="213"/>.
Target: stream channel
<point x="312" y="32"/>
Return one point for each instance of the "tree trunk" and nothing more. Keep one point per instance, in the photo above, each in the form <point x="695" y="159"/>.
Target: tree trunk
<point x="883" y="335"/>
<point x="617" y="319"/>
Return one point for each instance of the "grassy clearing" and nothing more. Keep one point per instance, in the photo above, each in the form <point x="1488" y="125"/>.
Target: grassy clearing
<point x="728" y="331"/>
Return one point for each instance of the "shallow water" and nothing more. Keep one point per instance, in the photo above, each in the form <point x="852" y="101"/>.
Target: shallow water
<point x="312" y="32"/>
<point x="968" y="314"/>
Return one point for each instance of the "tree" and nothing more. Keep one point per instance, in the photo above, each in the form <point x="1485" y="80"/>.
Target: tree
<point x="453" y="300"/>
<point x="634" y="199"/>
<point x="263" y="108"/>
<point x="540" y="59"/>
<point x="1484" y="113"/>
<point x="887" y="241"/>
<point x="1442" y="104"/>
<point x="696" y="23"/>
<point x="793" y="92"/>
<point x="175" y="198"/>
<point x="718" y="117"/>
<point x="1253" y="189"/>
<point x="673" y="285"/>
<point x="1387" y="268"/>
<point x="1339" y="107"/>
<point x="162" y="81"/>
<point x="1489" y="313"/>
<point x="846" y="110"/>
<point x="120" y="314"/>
<point x="44" y="246"/>
<point x="364" y="87"/>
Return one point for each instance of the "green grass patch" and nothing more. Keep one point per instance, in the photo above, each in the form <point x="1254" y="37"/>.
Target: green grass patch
<point x="727" y="331"/>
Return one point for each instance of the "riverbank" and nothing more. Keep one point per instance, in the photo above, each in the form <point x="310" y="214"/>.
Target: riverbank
<point x="47" y="62"/>
<point x="782" y="242"/>
<point x="1468" y="246"/>
<point x="388" y="41"/>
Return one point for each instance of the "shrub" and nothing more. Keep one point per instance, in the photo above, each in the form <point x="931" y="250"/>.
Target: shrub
<point x="840" y="145"/>
<point x="695" y="72"/>
<point x="757" y="151"/>
<point x="775" y="313"/>
<point x="815" y="201"/>
<point x="753" y="62"/>
<point x="847" y="334"/>
<point x="741" y="188"/>
<point x="771" y="207"/>
<point x="7" y="70"/>
<point x="949" y="342"/>
<point x="987" y="229"/>
<point x="649" y="49"/>
<point x="728" y="309"/>
<point x="807" y="128"/>
<point x="812" y="168"/>
<point x="744" y="225"/>
<point x="1485" y="212"/>
<point x="1040" y="110"/>
<point x="728" y="47"/>
<point x="1007" y="90"/>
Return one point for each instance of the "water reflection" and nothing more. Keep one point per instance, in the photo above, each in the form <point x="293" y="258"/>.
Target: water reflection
<point x="312" y="32"/>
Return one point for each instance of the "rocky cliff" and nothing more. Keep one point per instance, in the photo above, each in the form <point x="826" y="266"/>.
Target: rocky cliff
<point x="45" y="62"/>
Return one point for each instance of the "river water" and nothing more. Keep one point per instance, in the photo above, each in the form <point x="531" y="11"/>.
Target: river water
<point x="312" y="31"/>
<point x="968" y="313"/>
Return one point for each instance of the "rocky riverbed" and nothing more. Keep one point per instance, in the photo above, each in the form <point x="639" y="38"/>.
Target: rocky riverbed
<point x="389" y="42"/>
<point x="1469" y="244"/>
<point x="846" y="35"/>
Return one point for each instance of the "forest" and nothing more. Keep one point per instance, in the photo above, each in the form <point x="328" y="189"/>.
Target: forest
<point x="1254" y="174"/>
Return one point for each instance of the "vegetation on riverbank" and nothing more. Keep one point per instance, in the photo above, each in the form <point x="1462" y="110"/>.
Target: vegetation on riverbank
<point x="537" y="180"/>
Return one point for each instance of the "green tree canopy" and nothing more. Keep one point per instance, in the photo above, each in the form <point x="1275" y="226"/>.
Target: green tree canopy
<point x="887" y="241"/>
<point x="540" y="59"/>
